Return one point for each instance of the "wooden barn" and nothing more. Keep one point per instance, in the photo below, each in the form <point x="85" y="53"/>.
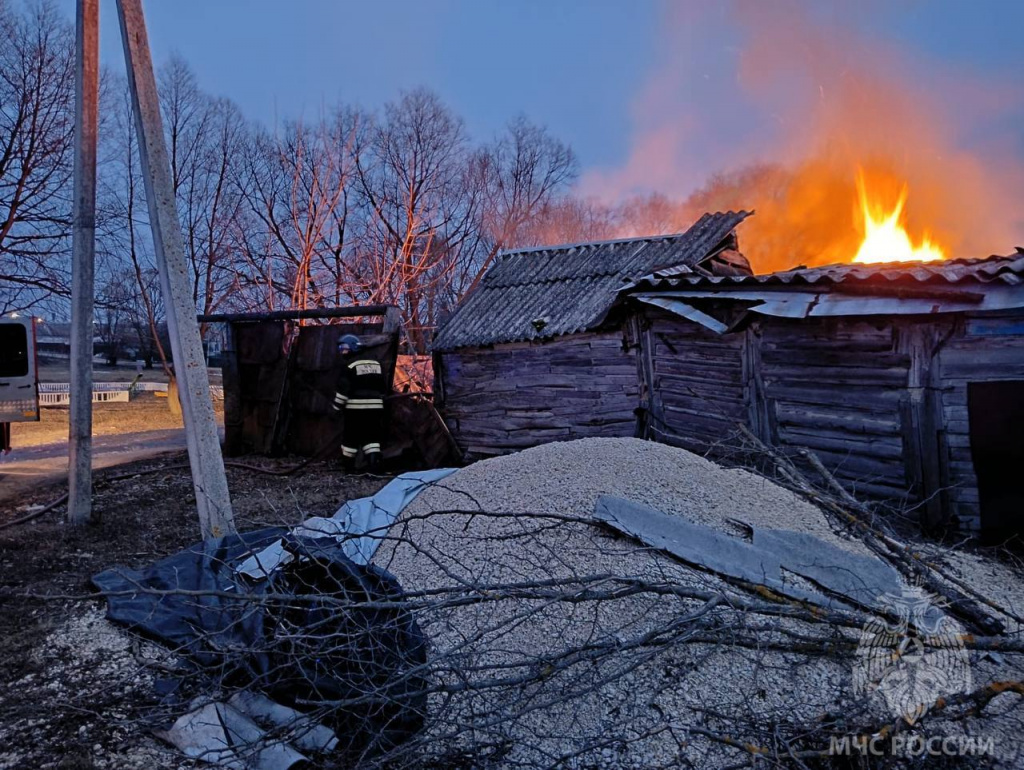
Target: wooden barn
<point x="906" y="381"/>
<point x="535" y="353"/>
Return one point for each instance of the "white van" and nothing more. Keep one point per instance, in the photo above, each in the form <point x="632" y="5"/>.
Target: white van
<point x="19" y="388"/>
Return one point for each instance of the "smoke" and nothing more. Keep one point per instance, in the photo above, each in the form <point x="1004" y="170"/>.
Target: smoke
<point x="777" y="106"/>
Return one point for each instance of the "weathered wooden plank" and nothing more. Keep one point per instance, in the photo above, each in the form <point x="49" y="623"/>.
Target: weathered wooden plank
<point x="687" y="354"/>
<point x="840" y="422"/>
<point x="868" y="399"/>
<point x="883" y="449"/>
<point x="893" y="376"/>
<point x="733" y="386"/>
<point x="958" y="440"/>
<point x="982" y="362"/>
<point x="733" y="409"/>
<point x="703" y="369"/>
<point x="693" y="420"/>
<point x="830" y="357"/>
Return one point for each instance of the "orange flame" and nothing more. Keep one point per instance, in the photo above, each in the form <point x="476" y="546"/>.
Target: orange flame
<point x="885" y="236"/>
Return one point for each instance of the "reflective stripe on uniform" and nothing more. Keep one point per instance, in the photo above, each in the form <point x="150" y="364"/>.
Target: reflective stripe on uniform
<point x="348" y="451"/>
<point x="365" y="403"/>
<point x="371" y="448"/>
<point x="364" y="362"/>
<point x="340" y="398"/>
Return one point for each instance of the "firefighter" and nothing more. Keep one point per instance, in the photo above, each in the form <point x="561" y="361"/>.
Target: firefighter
<point x="361" y="391"/>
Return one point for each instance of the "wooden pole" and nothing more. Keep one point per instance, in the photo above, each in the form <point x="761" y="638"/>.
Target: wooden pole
<point x="83" y="243"/>
<point x="208" y="477"/>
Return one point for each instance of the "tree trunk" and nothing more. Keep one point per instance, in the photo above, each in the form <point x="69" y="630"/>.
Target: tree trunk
<point x="173" y="401"/>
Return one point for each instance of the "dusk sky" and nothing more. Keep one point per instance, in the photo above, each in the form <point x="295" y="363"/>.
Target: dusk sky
<point x="589" y="70"/>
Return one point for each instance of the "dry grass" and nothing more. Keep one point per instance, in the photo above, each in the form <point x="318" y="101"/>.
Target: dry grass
<point x="57" y="370"/>
<point x="144" y="413"/>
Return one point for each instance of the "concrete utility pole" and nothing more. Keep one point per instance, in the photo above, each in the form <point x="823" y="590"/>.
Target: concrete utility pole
<point x="83" y="242"/>
<point x="211" y="484"/>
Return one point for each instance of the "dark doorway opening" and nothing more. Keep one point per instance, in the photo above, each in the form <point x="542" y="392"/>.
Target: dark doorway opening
<point x="996" y="414"/>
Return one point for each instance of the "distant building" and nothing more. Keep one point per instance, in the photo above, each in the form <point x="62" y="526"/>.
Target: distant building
<point x="53" y="338"/>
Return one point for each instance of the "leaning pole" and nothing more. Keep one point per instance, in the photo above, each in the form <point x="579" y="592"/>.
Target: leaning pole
<point x="204" y="454"/>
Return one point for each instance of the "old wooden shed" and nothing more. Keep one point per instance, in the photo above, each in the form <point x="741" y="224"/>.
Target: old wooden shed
<point x="280" y="372"/>
<point x="535" y="353"/>
<point x="907" y="381"/>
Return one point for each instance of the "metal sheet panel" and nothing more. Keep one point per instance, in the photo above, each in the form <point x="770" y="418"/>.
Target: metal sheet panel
<point x="1007" y="270"/>
<point x="681" y="308"/>
<point x="817" y="303"/>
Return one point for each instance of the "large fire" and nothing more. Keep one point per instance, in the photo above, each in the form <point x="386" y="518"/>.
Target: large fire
<point x="885" y="236"/>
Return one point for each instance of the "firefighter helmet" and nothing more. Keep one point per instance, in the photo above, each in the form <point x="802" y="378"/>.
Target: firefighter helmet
<point x="349" y="343"/>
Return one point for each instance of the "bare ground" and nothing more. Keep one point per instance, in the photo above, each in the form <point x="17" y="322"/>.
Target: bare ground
<point x="70" y="696"/>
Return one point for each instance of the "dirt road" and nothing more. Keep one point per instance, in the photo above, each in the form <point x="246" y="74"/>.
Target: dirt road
<point x="45" y="464"/>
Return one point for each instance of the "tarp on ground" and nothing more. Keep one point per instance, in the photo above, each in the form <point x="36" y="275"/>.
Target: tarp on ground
<point x="253" y="635"/>
<point x="358" y="526"/>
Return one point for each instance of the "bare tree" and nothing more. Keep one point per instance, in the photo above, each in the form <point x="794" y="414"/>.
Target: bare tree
<point x="521" y="173"/>
<point x="394" y="208"/>
<point x="116" y="305"/>
<point x="568" y="219"/>
<point x="36" y="124"/>
<point x="421" y="208"/>
<point x="296" y="190"/>
<point x="125" y="243"/>
<point x="204" y="137"/>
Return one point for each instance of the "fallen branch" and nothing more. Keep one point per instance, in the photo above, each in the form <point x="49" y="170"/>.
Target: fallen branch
<point x="36" y="514"/>
<point x="900" y="555"/>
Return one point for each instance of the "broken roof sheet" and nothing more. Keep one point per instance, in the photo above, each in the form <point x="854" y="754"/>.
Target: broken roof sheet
<point x="546" y="292"/>
<point x="1007" y="270"/>
<point x="953" y="286"/>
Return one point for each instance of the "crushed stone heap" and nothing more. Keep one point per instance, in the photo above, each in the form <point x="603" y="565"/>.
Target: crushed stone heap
<point x="556" y="640"/>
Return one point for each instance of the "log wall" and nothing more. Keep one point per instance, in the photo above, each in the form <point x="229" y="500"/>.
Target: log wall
<point x="982" y="349"/>
<point x="881" y="401"/>
<point x="838" y="387"/>
<point x="511" y="396"/>
<point x="693" y="393"/>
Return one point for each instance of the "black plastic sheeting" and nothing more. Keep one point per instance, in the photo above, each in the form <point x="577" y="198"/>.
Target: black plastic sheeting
<point x="293" y="636"/>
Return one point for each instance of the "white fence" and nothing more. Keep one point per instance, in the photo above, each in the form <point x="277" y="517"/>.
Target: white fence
<point x="63" y="397"/>
<point x="65" y="387"/>
<point x="59" y="393"/>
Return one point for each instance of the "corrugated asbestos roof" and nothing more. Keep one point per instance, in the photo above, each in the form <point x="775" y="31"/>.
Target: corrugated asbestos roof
<point x="999" y="270"/>
<point x="567" y="289"/>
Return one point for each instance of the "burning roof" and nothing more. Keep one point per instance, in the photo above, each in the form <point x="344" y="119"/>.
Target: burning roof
<point x="948" y="286"/>
<point x="995" y="269"/>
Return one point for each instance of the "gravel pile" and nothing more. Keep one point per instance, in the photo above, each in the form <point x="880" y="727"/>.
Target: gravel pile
<point x="567" y="667"/>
